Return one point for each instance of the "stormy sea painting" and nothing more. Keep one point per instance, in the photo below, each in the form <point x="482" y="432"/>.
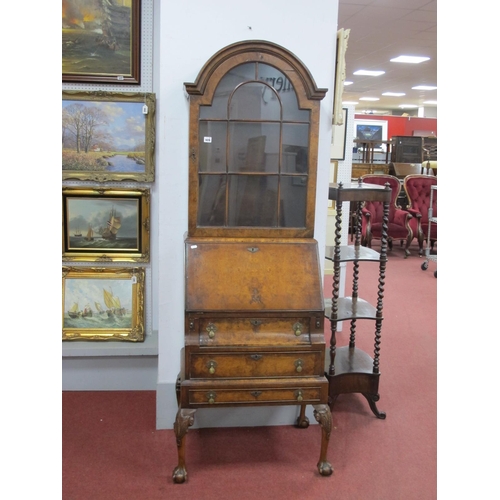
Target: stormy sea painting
<point x="102" y="224"/>
<point x="97" y="37"/>
<point x="97" y="303"/>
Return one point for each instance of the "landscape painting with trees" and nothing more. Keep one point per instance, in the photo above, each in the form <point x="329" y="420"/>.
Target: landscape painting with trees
<point x="108" y="136"/>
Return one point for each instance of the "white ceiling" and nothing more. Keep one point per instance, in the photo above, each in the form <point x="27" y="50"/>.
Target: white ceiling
<point x="380" y="31"/>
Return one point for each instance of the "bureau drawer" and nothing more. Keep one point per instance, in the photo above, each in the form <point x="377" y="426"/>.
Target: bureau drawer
<point x="241" y="331"/>
<point x="255" y="395"/>
<point x="255" y="364"/>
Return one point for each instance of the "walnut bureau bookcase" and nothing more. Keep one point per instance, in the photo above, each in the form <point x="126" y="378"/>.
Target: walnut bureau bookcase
<point x="254" y="307"/>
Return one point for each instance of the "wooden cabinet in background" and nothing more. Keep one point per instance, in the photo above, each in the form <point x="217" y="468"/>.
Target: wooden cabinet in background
<point x="430" y="148"/>
<point x="407" y="149"/>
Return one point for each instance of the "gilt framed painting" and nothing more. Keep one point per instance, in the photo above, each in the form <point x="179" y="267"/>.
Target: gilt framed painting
<point x="101" y="41"/>
<point x="108" y="136"/>
<point x="105" y="225"/>
<point x="100" y="303"/>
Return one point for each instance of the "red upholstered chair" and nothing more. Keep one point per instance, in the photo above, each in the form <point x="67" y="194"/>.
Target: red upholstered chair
<point x="398" y="228"/>
<point x="418" y="191"/>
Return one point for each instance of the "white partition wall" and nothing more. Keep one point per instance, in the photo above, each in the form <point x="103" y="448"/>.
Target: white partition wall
<point x="186" y="35"/>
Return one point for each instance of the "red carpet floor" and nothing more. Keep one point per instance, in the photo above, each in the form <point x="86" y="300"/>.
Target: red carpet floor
<point x="112" y="450"/>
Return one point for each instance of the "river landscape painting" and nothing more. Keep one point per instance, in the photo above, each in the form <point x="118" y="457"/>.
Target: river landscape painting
<point x="103" y="303"/>
<point x="111" y="224"/>
<point x="108" y="136"/>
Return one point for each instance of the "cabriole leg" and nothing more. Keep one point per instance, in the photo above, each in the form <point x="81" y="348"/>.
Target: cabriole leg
<point x="323" y="416"/>
<point x="183" y="420"/>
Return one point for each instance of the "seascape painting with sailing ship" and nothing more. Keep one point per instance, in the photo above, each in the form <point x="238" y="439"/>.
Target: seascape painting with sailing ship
<point x="97" y="37"/>
<point x="112" y="224"/>
<point x="111" y="301"/>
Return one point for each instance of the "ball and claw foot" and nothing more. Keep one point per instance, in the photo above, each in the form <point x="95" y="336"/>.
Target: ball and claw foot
<point x="179" y="475"/>
<point x="303" y="423"/>
<point x="325" y="468"/>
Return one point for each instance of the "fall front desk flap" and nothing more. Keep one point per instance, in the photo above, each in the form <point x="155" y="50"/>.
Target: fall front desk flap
<point x="252" y="275"/>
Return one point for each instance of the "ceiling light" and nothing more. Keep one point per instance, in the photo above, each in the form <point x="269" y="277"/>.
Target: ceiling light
<point x="394" y="94"/>
<point x="349" y="102"/>
<point x="410" y="59"/>
<point x="408" y="106"/>
<point x="424" y="87"/>
<point x="431" y="102"/>
<point x="366" y="72"/>
<point x="347" y="82"/>
<point x="369" y="99"/>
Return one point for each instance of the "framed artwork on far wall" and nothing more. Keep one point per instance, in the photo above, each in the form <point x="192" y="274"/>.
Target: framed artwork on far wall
<point x="108" y="136"/>
<point x="101" y="303"/>
<point x="105" y="225"/>
<point x="371" y="131"/>
<point x="101" y="41"/>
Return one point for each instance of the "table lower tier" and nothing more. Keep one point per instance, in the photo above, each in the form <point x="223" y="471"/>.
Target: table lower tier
<point x="354" y="374"/>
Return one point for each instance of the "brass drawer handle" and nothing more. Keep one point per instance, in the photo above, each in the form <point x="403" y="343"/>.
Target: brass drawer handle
<point x="211" y="329"/>
<point x="297" y="328"/>
<point x="212" y="365"/>
<point x="256" y="357"/>
<point x="298" y="365"/>
<point x="298" y="396"/>
<point x="211" y="397"/>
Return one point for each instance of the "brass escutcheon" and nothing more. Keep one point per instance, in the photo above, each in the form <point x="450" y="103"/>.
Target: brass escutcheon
<point x="256" y="357"/>
<point x="256" y="394"/>
<point x="211" y="329"/>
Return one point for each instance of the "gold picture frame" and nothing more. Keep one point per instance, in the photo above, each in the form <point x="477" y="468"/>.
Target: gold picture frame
<point x="108" y="136"/>
<point x="101" y="42"/>
<point x="340" y="73"/>
<point x="105" y="224"/>
<point x="101" y="303"/>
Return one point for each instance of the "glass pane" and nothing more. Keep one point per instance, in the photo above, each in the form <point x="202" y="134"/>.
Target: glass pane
<point x="254" y="147"/>
<point x="253" y="200"/>
<point x="212" y="146"/>
<point x="229" y="82"/>
<point x="212" y="200"/>
<point x="285" y="91"/>
<point x="252" y="101"/>
<point x="293" y="200"/>
<point x="295" y="148"/>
